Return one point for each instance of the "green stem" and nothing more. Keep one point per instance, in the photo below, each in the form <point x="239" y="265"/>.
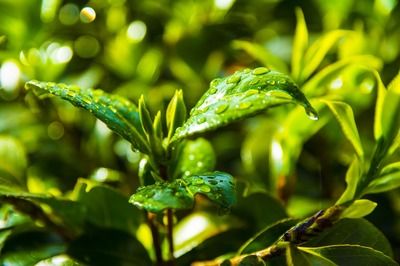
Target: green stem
<point x="170" y="228"/>
<point x="156" y="238"/>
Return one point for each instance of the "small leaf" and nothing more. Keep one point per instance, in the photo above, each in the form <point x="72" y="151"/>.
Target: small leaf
<point x="241" y="95"/>
<point x="300" y="44"/>
<point x="359" y="209"/>
<point x="351" y="255"/>
<point x="252" y="260"/>
<point x="344" y="115"/>
<point x="116" y="112"/>
<point x="157" y="126"/>
<point x="388" y="179"/>
<point x="353" y="176"/>
<point x="176" y="113"/>
<point x="219" y="187"/>
<point x="381" y="92"/>
<point x="145" y="118"/>
<point x="298" y="257"/>
<point x="197" y="156"/>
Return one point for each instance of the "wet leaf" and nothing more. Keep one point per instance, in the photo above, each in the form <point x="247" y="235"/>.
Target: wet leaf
<point x="118" y="113"/>
<point x="219" y="187"/>
<point x="243" y="94"/>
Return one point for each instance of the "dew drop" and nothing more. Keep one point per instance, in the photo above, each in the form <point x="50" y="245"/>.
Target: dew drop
<point x="213" y="182"/>
<point x="201" y="120"/>
<point x="281" y="81"/>
<point x="212" y="91"/>
<point x="233" y="80"/>
<point x="86" y="100"/>
<point x="198" y="181"/>
<point x="253" y="82"/>
<point x="272" y="82"/>
<point x="251" y="92"/>
<point x="245" y="105"/>
<point x="311" y="113"/>
<point x="260" y="71"/>
<point x="221" y="108"/>
<point x="205" y="188"/>
<point x="71" y="93"/>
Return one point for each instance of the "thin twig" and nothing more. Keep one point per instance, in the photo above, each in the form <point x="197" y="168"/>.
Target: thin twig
<point x="151" y="220"/>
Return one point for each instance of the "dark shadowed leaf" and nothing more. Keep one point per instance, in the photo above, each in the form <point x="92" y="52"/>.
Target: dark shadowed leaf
<point x="388" y="179"/>
<point x="118" y="113"/>
<point x="219" y="187"/>
<point x="243" y="94"/>
<point x="297" y="257"/>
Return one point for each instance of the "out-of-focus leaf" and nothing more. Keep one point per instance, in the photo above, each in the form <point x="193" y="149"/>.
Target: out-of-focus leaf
<point x="176" y="113"/>
<point x="197" y="156"/>
<point x="353" y="176"/>
<point x="241" y="95"/>
<point x="108" y="247"/>
<point x="297" y="257"/>
<point x="13" y="165"/>
<point x="318" y="50"/>
<point x="266" y="236"/>
<point x="388" y="179"/>
<point x="381" y="92"/>
<point x="195" y="228"/>
<point x="359" y="209"/>
<point x="343" y="232"/>
<point x="28" y="248"/>
<point x="252" y="260"/>
<point x="219" y="187"/>
<point x="344" y="115"/>
<point x="261" y="54"/>
<point x="116" y="112"/>
<point x="60" y="260"/>
<point x="350" y="255"/>
<point x="299" y="45"/>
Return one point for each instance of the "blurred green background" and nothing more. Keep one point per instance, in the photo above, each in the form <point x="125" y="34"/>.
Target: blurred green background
<point x="154" y="47"/>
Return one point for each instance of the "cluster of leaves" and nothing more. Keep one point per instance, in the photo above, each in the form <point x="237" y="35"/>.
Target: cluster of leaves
<point x="50" y="219"/>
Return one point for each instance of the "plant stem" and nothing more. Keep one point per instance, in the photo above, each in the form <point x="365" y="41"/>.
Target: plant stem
<point x="156" y="238"/>
<point x="170" y="236"/>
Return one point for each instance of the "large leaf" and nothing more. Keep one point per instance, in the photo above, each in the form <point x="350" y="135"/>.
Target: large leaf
<point x="343" y="232"/>
<point x="344" y="115"/>
<point x="197" y="156"/>
<point x="243" y="94"/>
<point x="108" y="247"/>
<point x="350" y="255"/>
<point x="118" y="113"/>
<point x="388" y="179"/>
<point x="219" y="187"/>
<point x="13" y="165"/>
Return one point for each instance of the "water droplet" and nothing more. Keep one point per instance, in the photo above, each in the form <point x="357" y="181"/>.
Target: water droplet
<point x="205" y="188"/>
<point x="197" y="181"/>
<point x="201" y="120"/>
<point x="253" y="82"/>
<point x="281" y="81"/>
<point x="213" y="182"/>
<point x="245" y="105"/>
<point x="86" y="100"/>
<point x="233" y="80"/>
<point x="272" y="82"/>
<point x="221" y="108"/>
<point x="71" y="93"/>
<point x="211" y="177"/>
<point x="260" y="71"/>
<point x="251" y="92"/>
<point x="212" y="90"/>
<point x="311" y="113"/>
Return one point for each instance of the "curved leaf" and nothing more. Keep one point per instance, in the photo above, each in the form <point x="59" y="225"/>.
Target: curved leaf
<point x="353" y="175"/>
<point x="388" y="179"/>
<point x="297" y="257"/>
<point x="219" y="187"/>
<point x="359" y="209"/>
<point x="300" y="44"/>
<point x="118" y="113"/>
<point x="351" y="255"/>
<point x="241" y="95"/>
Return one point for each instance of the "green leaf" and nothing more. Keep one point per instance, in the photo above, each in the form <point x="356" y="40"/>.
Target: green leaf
<point x="351" y="255"/>
<point x="300" y="44"/>
<point x="388" y="179"/>
<point x="252" y="260"/>
<point x="13" y="165"/>
<point x="179" y="194"/>
<point x="318" y="50"/>
<point x="298" y="257"/>
<point x="60" y="260"/>
<point x="381" y="92"/>
<point x="241" y="95"/>
<point x="344" y="115"/>
<point x="197" y="156"/>
<point x="118" y="113"/>
<point x="353" y="176"/>
<point x="176" y="113"/>
<point x="343" y="232"/>
<point x="145" y="118"/>
<point x="359" y="209"/>
<point x="266" y="236"/>
<point x="108" y="247"/>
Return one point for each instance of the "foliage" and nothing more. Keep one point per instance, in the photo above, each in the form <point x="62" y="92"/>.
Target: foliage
<point x="290" y="156"/>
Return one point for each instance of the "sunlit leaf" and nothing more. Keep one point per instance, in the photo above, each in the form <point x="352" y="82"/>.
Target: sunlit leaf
<point x="381" y="92"/>
<point x="197" y="156"/>
<point x="388" y="179"/>
<point x="359" y="209"/>
<point x="345" y="116"/>
<point x="60" y="260"/>
<point x="116" y="112"/>
<point x="179" y="194"/>
<point x="243" y="94"/>
<point x="176" y="113"/>
<point x="350" y="255"/>
<point x="353" y="176"/>
<point x="299" y="44"/>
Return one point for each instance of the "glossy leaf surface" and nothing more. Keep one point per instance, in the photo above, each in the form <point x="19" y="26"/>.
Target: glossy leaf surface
<point x="118" y="113"/>
<point x="179" y="194"/>
<point x="243" y="94"/>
